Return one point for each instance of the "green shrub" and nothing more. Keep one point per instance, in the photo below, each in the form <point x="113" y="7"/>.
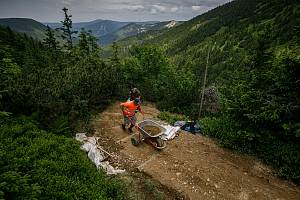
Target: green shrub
<point x="39" y="165"/>
<point x="151" y="187"/>
<point x="60" y="126"/>
<point x="283" y="156"/>
<point x="171" y="117"/>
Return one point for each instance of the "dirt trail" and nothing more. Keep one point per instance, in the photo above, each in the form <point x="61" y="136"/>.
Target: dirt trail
<point x="192" y="165"/>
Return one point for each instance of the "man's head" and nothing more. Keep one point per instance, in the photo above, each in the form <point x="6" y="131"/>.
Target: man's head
<point x="134" y="92"/>
<point x="137" y="101"/>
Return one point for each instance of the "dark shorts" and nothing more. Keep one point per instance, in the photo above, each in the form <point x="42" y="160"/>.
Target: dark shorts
<point x="127" y="121"/>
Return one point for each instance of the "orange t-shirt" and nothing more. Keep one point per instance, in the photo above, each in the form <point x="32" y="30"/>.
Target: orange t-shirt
<point x="131" y="107"/>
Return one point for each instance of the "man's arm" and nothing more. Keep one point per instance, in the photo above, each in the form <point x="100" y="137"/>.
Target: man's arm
<point x="122" y="106"/>
<point x="140" y="110"/>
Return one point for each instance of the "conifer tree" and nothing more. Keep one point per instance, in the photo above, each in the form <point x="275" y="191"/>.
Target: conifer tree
<point x="88" y="42"/>
<point x="11" y="38"/>
<point x="50" y="39"/>
<point x="67" y="28"/>
<point x="83" y="41"/>
<point x="115" y="54"/>
<point x="92" y="41"/>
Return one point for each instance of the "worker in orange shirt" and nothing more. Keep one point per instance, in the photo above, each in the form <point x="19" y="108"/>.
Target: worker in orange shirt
<point x="129" y="109"/>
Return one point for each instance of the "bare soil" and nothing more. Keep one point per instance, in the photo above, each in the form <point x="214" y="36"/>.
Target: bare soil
<point x="190" y="167"/>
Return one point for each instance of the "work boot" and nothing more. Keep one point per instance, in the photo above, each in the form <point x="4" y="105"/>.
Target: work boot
<point x="123" y="127"/>
<point x="130" y="130"/>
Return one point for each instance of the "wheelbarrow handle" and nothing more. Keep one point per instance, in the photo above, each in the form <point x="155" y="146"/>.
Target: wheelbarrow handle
<point x="134" y="124"/>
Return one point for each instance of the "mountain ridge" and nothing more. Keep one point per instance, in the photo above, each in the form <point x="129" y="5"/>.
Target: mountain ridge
<point x="28" y="26"/>
<point x="134" y="29"/>
<point x="106" y="31"/>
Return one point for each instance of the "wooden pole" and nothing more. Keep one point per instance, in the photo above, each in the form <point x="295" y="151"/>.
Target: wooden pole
<point x="204" y="81"/>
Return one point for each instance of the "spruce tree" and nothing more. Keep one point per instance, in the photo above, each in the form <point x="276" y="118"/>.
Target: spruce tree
<point x="50" y="39"/>
<point x="83" y="41"/>
<point x="92" y="41"/>
<point x="88" y="42"/>
<point x="115" y="54"/>
<point x="67" y="28"/>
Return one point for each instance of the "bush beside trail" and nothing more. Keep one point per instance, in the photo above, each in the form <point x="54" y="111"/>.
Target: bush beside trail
<point x="36" y="164"/>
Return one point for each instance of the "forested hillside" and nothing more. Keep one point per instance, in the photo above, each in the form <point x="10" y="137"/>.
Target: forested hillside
<point x="251" y="97"/>
<point x="135" y="29"/>
<point x="107" y="31"/>
<point x="23" y="25"/>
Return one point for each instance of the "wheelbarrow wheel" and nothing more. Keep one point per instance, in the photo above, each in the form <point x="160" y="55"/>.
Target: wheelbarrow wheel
<point x="135" y="140"/>
<point x="159" y="142"/>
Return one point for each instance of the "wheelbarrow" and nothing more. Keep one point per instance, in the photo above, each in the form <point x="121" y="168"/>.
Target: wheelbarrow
<point x="150" y="138"/>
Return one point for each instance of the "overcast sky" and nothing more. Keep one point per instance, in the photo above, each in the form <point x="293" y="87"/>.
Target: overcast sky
<point x="120" y="10"/>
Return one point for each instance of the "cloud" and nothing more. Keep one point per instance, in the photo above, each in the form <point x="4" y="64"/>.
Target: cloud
<point x="136" y="7"/>
<point x="189" y="3"/>
<point x="153" y="11"/>
<point x="67" y="2"/>
<point x="174" y="9"/>
<point x="197" y="8"/>
<point x="122" y="10"/>
<point x="160" y="8"/>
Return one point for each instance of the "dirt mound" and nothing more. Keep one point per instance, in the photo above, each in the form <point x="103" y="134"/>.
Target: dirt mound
<point x="151" y="130"/>
<point x="191" y="167"/>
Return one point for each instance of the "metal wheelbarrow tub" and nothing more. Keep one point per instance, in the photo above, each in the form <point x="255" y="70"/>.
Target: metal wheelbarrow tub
<point x="154" y="140"/>
<point x="149" y="122"/>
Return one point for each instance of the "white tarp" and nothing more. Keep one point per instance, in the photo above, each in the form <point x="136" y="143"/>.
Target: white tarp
<point x="170" y="132"/>
<point x="95" y="154"/>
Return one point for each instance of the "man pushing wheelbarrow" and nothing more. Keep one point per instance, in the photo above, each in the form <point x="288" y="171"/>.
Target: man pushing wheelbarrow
<point x="129" y="109"/>
<point x="149" y="131"/>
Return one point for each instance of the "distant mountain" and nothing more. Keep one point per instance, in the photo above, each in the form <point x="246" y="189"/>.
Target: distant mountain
<point x="24" y="25"/>
<point x="108" y="31"/>
<point x="53" y="25"/>
<point x="126" y="31"/>
<point x="98" y="27"/>
<point x="136" y="28"/>
<point x="78" y="25"/>
<point x="103" y="27"/>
